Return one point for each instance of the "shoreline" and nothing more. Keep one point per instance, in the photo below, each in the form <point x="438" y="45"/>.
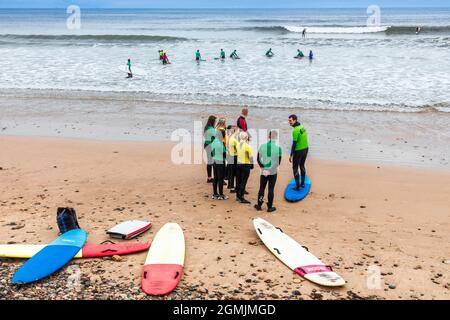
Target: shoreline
<point x="357" y="216"/>
<point x="358" y="136"/>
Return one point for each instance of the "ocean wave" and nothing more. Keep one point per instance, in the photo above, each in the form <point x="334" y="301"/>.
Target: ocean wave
<point x="337" y="30"/>
<point x="105" y="38"/>
<point x="424" y="29"/>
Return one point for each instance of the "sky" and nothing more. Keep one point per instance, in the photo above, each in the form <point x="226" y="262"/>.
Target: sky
<point x="221" y="3"/>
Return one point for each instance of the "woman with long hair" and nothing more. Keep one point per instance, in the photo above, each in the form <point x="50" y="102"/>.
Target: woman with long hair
<point x="209" y="134"/>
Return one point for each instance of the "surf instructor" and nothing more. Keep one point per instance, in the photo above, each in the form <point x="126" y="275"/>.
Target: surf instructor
<point x="299" y="150"/>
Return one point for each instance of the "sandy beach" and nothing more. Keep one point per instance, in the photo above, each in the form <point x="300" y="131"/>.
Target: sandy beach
<point x="358" y="216"/>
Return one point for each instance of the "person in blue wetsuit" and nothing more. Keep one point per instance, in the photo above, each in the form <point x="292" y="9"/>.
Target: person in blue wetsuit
<point x="311" y="55"/>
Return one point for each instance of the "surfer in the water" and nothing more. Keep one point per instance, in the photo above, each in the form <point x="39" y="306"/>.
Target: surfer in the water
<point x="161" y="54"/>
<point x="299" y="150"/>
<point x="311" y="55"/>
<point x="222" y="54"/>
<point x="269" y="159"/>
<point x="165" y="59"/>
<point x="198" y="56"/>
<point x="300" y="54"/>
<point x="234" y="55"/>
<point x="245" y="164"/>
<point x="269" y="53"/>
<point x="130" y="73"/>
<point x="304" y="33"/>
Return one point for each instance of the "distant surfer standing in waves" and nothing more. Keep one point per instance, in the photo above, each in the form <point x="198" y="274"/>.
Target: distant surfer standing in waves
<point x="304" y="33"/>
<point x="311" y="55"/>
<point x="130" y="74"/>
<point x="299" y="150"/>
<point x="222" y="54"/>
<point x="198" y="56"/>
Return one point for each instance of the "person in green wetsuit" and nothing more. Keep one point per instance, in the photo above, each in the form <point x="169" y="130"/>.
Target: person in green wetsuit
<point x="198" y="56"/>
<point x="299" y="150"/>
<point x="130" y="74"/>
<point x="222" y="54"/>
<point x="269" y="53"/>
<point x="269" y="159"/>
<point x="218" y="155"/>
<point x="161" y="54"/>
<point x="209" y="134"/>
<point x="300" y="54"/>
<point x="234" y="55"/>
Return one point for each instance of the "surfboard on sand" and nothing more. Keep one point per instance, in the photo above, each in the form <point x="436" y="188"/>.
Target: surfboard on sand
<point x="295" y="256"/>
<point x="165" y="261"/>
<point x="129" y="229"/>
<point x="25" y="251"/>
<point x="292" y="195"/>
<point x="51" y="258"/>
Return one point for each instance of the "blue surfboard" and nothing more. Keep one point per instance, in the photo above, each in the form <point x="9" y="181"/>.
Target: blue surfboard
<point x="51" y="258"/>
<point x="292" y="195"/>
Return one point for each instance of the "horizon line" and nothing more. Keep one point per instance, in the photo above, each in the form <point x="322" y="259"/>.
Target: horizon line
<point x="232" y="8"/>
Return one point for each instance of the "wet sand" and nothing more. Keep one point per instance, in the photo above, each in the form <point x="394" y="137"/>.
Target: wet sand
<point x="358" y="216"/>
<point x="405" y="139"/>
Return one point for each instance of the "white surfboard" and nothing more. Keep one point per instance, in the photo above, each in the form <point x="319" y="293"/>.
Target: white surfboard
<point x="295" y="256"/>
<point x="165" y="261"/>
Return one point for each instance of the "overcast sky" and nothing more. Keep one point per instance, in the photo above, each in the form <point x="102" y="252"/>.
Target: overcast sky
<point x="220" y="3"/>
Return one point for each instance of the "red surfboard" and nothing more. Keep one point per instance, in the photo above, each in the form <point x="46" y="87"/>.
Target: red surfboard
<point x="112" y="249"/>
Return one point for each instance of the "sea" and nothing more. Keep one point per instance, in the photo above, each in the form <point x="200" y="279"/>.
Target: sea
<point x="357" y="65"/>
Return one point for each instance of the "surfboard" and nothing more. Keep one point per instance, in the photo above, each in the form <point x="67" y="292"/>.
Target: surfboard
<point x="165" y="261"/>
<point x="26" y="251"/>
<point x="292" y="195"/>
<point x="51" y="258"/>
<point x="295" y="256"/>
<point x="129" y="229"/>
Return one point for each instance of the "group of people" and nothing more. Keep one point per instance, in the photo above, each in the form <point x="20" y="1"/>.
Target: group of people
<point x="230" y="157"/>
<point x="198" y="57"/>
<point x="299" y="55"/>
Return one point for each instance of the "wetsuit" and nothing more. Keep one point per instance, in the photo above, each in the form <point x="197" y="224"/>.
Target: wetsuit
<point x="299" y="152"/>
<point x="198" y="56"/>
<point x="222" y="54"/>
<point x="269" y="159"/>
<point x="242" y="123"/>
<point x="165" y="59"/>
<point x="300" y="54"/>
<point x="218" y="155"/>
<point x="234" y="55"/>
<point x="161" y="54"/>
<point x="311" y="55"/>
<point x="245" y="155"/>
<point x="130" y="74"/>
<point x="232" y="160"/>
<point x="269" y="53"/>
<point x="209" y="136"/>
